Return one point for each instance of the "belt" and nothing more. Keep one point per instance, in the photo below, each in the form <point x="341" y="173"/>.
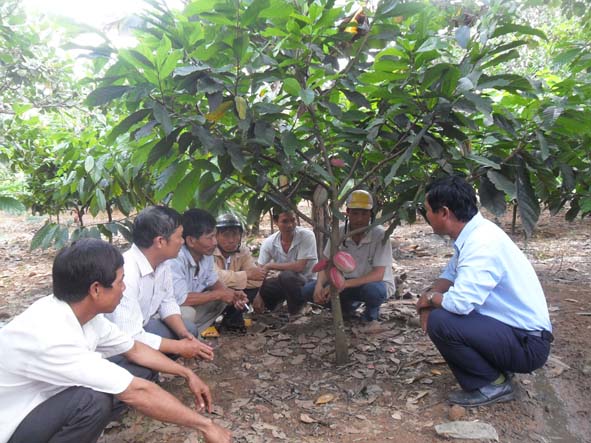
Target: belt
<point x="545" y="335"/>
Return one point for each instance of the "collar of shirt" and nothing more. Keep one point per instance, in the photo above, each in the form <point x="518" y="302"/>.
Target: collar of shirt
<point x="187" y="255"/>
<point x="364" y="240"/>
<point x="469" y="227"/>
<point x="297" y="238"/>
<point x="143" y="264"/>
<point x="218" y="253"/>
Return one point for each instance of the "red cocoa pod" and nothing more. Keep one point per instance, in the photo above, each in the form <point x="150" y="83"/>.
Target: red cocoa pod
<point x="344" y="262"/>
<point x="320" y="266"/>
<point x="337" y="162"/>
<point x="336" y="278"/>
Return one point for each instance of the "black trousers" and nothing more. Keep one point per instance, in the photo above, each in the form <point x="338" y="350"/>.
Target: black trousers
<point x="233" y="316"/>
<point x="75" y="415"/>
<point x="287" y="286"/>
<point x="479" y="348"/>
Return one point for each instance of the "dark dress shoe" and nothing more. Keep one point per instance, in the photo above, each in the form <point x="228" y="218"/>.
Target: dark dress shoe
<point x="483" y="396"/>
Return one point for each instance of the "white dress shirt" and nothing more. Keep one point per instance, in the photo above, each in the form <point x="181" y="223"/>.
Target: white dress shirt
<point x="303" y="247"/>
<point x="147" y="292"/>
<point x="45" y="350"/>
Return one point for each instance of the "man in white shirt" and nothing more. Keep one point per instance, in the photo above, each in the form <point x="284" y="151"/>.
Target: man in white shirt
<point x="56" y="383"/>
<point x="199" y="292"/>
<point x="292" y="252"/>
<point x="148" y="310"/>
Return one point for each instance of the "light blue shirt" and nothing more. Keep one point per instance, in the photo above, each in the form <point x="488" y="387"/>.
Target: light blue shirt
<point x="188" y="277"/>
<point x="491" y="275"/>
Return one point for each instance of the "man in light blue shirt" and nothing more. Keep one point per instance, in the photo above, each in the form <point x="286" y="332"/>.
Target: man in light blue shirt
<point x="486" y="313"/>
<point x="197" y="288"/>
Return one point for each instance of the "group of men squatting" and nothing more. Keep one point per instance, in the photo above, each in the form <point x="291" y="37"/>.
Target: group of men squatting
<point x="75" y="360"/>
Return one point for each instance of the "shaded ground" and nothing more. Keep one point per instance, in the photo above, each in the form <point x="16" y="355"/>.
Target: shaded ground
<point x="279" y="382"/>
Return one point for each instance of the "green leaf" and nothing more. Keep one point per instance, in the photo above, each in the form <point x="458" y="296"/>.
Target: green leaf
<point x="170" y="64"/>
<point x="253" y="11"/>
<point x="161" y="115"/>
<point x="402" y="159"/>
<point x="62" y="237"/>
<point x="436" y="72"/>
<point x="463" y="36"/>
<point x="307" y="96"/>
<point x="502" y="183"/>
<point x="491" y="198"/>
<point x="529" y="208"/>
<point x="236" y="156"/>
<point x="163" y="147"/>
<point x="124" y="204"/>
<point x="511" y="55"/>
<point x="543" y="145"/>
<point x="264" y="133"/>
<point x="11" y="205"/>
<point x="483" y="161"/>
<point x="101" y="201"/>
<point x="89" y="163"/>
<point x="357" y="98"/>
<point x="106" y="94"/>
<point x="394" y="8"/>
<point x="518" y="29"/>
<point x="125" y="232"/>
<point x="185" y="191"/>
<point x="126" y="124"/>
<point x="170" y="178"/>
<point x="43" y="237"/>
<point x="551" y="114"/>
<point x="292" y="87"/>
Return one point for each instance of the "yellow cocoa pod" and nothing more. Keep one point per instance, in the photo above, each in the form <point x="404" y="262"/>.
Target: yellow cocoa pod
<point x="240" y="107"/>
<point x="219" y="112"/>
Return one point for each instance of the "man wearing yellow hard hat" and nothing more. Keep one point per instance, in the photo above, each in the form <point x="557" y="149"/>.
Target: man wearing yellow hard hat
<point x="372" y="281"/>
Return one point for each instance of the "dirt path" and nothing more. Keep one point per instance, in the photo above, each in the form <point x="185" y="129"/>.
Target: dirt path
<point x="279" y="383"/>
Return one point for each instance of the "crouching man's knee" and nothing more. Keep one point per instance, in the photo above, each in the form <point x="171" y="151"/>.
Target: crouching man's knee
<point x="437" y="322"/>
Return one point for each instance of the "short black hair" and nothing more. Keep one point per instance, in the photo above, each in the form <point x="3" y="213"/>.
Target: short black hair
<point x="152" y="222"/>
<point x="456" y="194"/>
<point x="79" y="265"/>
<point x="276" y="211"/>
<point x="197" y="222"/>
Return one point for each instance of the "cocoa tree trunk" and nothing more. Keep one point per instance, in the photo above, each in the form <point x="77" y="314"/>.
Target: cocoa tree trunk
<point x="319" y="218"/>
<point x="341" y="344"/>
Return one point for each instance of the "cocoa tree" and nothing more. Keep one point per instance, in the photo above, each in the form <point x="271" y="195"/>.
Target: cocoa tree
<point x="227" y="99"/>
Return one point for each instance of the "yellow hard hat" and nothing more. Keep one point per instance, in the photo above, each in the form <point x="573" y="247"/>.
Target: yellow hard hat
<point x="359" y="199"/>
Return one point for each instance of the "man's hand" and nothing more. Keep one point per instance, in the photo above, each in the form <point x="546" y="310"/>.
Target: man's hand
<point x="201" y="392"/>
<point x="428" y="300"/>
<point x="216" y="434"/>
<point x="186" y="334"/>
<point x="226" y="295"/>
<point x="240" y="300"/>
<point x="257" y="273"/>
<point x="321" y="295"/>
<point x="424" y="317"/>
<point x="258" y="304"/>
<point x="191" y="348"/>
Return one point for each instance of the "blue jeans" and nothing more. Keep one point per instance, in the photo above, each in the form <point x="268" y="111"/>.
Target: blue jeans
<point x="478" y="348"/>
<point x="371" y="294"/>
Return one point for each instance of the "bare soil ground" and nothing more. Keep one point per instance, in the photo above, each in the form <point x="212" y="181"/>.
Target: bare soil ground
<point x="279" y="383"/>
